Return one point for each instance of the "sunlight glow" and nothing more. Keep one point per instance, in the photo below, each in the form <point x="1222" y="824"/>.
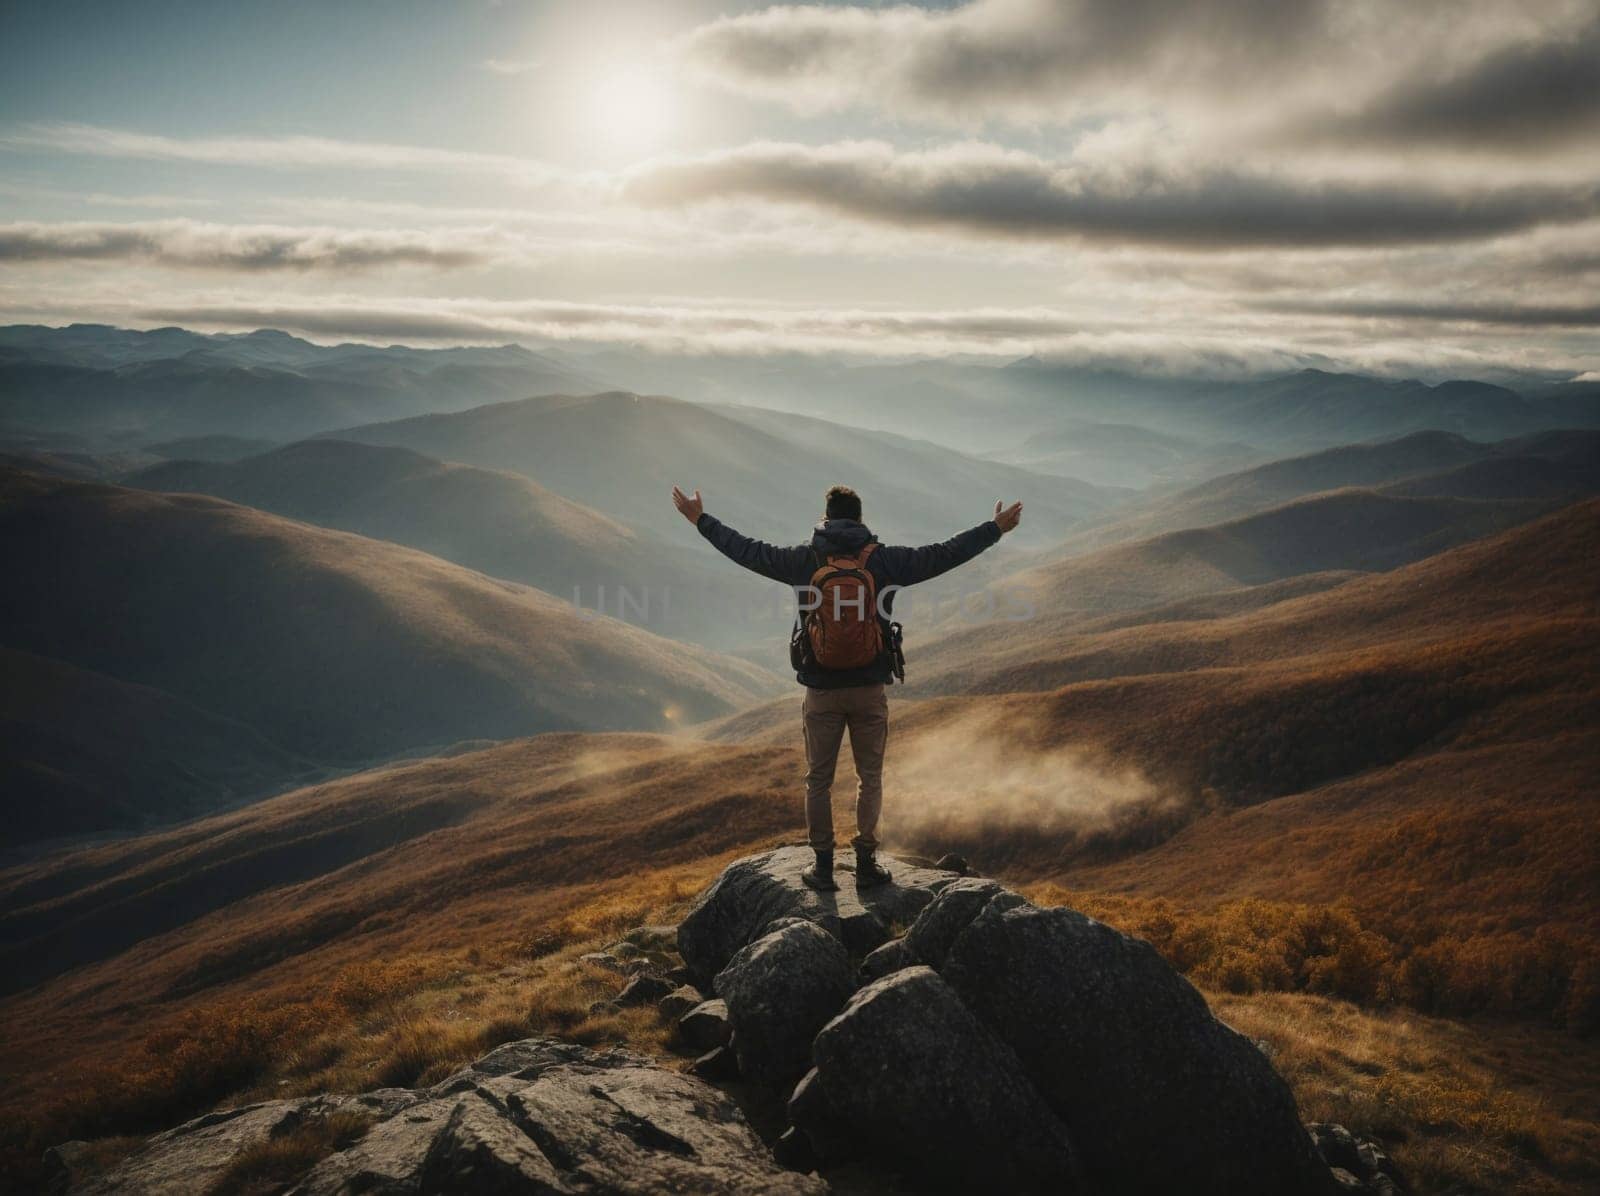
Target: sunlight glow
<point x="631" y="109"/>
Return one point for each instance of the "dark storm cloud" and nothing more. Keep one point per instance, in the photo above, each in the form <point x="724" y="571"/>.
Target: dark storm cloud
<point x="191" y="245"/>
<point x="988" y="191"/>
<point x="1525" y="96"/>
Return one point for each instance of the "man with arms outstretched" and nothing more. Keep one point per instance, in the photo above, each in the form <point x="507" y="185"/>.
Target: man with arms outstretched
<point x="845" y="647"/>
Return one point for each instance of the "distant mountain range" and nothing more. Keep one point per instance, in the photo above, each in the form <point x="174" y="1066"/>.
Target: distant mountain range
<point x="116" y="389"/>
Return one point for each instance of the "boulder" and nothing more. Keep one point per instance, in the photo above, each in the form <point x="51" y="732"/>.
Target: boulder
<point x="537" y="1116"/>
<point x="1364" y="1167"/>
<point x="780" y="991"/>
<point x="643" y="990"/>
<point x="707" y="1025"/>
<point x="719" y="1063"/>
<point x="891" y="957"/>
<point x="678" y="1002"/>
<point x="1157" y="1094"/>
<point x="756" y="891"/>
<point x="927" y="1088"/>
<point x="939" y="925"/>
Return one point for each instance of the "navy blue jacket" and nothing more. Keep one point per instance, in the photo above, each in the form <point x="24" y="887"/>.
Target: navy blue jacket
<point x="889" y="565"/>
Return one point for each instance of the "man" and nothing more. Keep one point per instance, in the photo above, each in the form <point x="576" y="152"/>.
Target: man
<point x="842" y="658"/>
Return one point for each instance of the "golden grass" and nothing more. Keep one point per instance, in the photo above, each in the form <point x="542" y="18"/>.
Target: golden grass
<point x="1462" y="1107"/>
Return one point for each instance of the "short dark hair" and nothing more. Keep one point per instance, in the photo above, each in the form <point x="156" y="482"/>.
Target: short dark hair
<point x="842" y="503"/>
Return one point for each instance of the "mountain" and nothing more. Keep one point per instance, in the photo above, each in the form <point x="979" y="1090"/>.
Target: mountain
<point x="329" y="645"/>
<point x="494" y="521"/>
<point x="116" y="386"/>
<point x="1306" y="409"/>
<point x="765" y="473"/>
<point x="1110" y="454"/>
<point x="1549" y="464"/>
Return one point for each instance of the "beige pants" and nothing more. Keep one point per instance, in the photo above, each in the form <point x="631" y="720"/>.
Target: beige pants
<point x="864" y="709"/>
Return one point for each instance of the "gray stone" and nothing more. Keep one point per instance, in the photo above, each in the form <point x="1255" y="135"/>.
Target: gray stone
<point x="536" y="1116"/>
<point x="1369" y="1170"/>
<point x="753" y="892"/>
<point x="891" y="957"/>
<point x="603" y="959"/>
<point x="707" y="1025"/>
<point x="830" y="1137"/>
<point x="193" y="1156"/>
<point x="939" y="925"/>
<point x="719" y="1063"/>
<point x="678" y="1002"/>
<point x="951" y="862"/>
<point x="927" y="1088"/>
<point x="780" y="991"/>
<point x="1158" y="1094"/>
<point x="643" y="990"/>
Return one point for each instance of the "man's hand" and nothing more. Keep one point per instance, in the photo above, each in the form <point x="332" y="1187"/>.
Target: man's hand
<point x="1005" y="518"/>
<point x="692" y="508"/>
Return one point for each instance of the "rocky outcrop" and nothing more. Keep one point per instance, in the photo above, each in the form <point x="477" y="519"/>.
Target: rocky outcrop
<point x="780" y="990"/>
<point x="537" y="1116"/>
<point x="911" y="1074"/>
<point x="754" y="892"/>
<point x="1157" y="1094"/>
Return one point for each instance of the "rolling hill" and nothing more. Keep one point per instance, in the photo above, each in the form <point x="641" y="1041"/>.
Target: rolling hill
<point x="1383" y="790"/>
<point x="494" y="521"/>
<point x="328" y="645"/>
<point x="621" y="453"/>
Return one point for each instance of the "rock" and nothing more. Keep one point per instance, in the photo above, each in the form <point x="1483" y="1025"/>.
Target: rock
<point x="829" y="1136"/>
<point x="780" y="991"/>
<point x="1158" y="1094"/>
<point x="678" y="1002"/>
<point x="604" y="1008"/>
<point x="643" y="990"/>
<point x="1368" y="1168"/>
<point x="891" y="957"/>
<point x="754" y="892"/>
<point x="939" y="925"/>
<point x="719" y="1063"/>
<point x="793" y="1150"/>
<point x="926" y="1087"/>
<point x="536" y="1116"/>
<point x="463" y="1136"/>
<point x="603" y="959"/>
<point x="707" y="1025"/>
<point x="951" y="862"/>
<point x="192" y="1157"/>
<point x="678" y="975"/>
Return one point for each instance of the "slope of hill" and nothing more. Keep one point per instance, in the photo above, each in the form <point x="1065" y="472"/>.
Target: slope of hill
<point x="82" y="752"/>
<point x="621" y="453"/>
<point x="328" y="644"/>
<point x="1112" y="454"/>
<point x="1382" y="791"/>
<point x="494" y="521"/>
<point x="1572" y="459"/>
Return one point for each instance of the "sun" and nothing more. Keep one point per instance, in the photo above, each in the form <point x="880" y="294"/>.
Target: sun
<point x="632" y="109"/>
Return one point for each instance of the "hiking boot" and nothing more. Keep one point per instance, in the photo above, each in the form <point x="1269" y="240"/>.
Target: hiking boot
<point x="820" y="875"/>
<point x="870" y="873"/>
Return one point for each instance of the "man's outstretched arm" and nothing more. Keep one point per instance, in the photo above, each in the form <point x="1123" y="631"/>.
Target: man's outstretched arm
<point x="908" y="566"/>
<point x="788" y="565"/>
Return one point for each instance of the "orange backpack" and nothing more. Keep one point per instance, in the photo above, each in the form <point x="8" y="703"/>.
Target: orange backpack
<point x="843" y="630"/>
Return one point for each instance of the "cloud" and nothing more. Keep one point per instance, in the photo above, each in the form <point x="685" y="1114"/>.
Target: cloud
<point x="510" y="66"/>
<point x="1527" y="96"/>
<point x="992" y="191"/>
<point x="1511" y="315"/>
<point x="292" y="152"/>
<point x="187" y="244"/>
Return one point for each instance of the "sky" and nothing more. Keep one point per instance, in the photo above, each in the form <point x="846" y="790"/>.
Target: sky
<point x="1215" y="186"/>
